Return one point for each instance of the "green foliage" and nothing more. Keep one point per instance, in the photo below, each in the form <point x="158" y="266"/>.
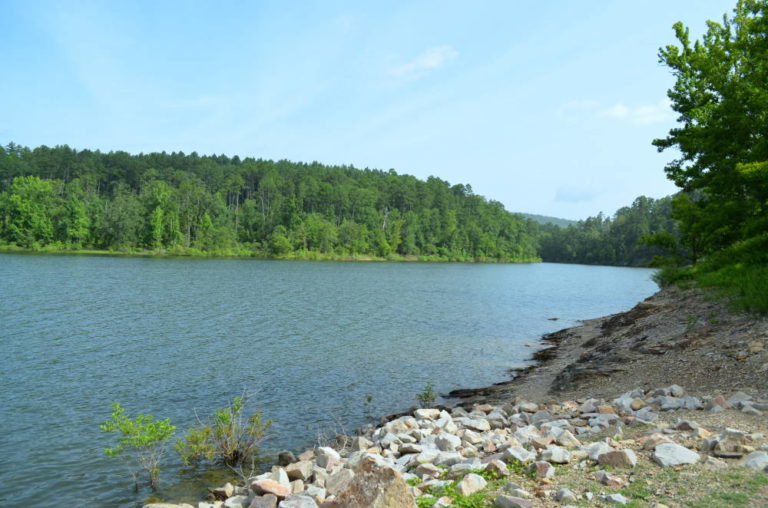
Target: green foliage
<point x="141" y="443"/>
<point x="191" y="205"/>
<point x="427" y="396"/>
<point x="721" y="96"/>
<point x="229" y="437"/>
<point x="632" y="237"/>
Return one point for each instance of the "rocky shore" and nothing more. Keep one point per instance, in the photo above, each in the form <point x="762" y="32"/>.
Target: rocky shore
<point x="602" y="420"/>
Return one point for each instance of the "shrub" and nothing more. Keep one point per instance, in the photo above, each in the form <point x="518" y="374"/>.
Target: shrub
<point x="427" y="396"/>
<point x="229" y="436"/>
<point x="141" y="443"/>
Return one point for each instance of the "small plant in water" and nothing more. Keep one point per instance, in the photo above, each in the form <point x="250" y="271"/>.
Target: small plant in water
<point x="141" y="443"/>
<point x="427" y="396"/>
<point x="229" y="436"/>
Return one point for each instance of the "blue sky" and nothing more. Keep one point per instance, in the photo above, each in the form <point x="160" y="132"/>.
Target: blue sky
<point x="548" y="107"/>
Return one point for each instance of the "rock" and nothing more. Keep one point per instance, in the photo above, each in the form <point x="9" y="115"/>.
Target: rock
<point x="713" y="464"/>
<point x="478" y="424"/>
<point x="542" y="469"/>
<point x="597" y="449"/>
<point x="447" y="442"/>
<point x="567" y="439"/>
<point x="167" y="505"/>
<point x="297" y="487"/>
<point x="607" y="479"/>
<point x="738" y="397"/>
<point x="443" y="502"/>
<point x="236" y="502"/>
<point x="294" y="501"/>
<point x="360" y="443"/>
<point x="301" y="470"/>
<point x="427" y="414"/>
<point x="624" y="459"/>
<point x="316" y="492"/>
<point x="497" y="467"/>
<point x="503" y="501"/>
<point x="222" y="493"/>
<point x="556" y="454"/>
<point x="614" y="499"/>
<point x="518" y="453"/>
<point x="280" y="476"/>
<point x="268" y="501"/>
<point x="566" y="496"/>
<point x="270" y="487"/>
<point x="448" y="458"/>
<point x="427" y="470"/>
<point x="672" y="454"/>
<point x="676" y="391"/>
<point x="637" y="404"/>
<point x="528" y="407"/>
<point x="327" y="457"/>
<point x="285" y="457"/>
<point x="375" y="487"/>
<point x="338" y="481"/>
<point x="470" y="484"/>
<point x="719" y="401"/>
<point x="756" y="460"/>
<point x="409" y="448"/>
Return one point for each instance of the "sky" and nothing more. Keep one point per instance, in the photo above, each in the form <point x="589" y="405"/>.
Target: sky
<point x="548" y="107"/>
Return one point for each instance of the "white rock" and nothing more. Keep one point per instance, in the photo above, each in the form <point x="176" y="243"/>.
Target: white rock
<point x="447" y="442"/>
<point x="556" y="454"/>
<point x="471" y="483"/>
<point x="756" y="460"/>
<point x="427" y="414"/>
<point x="518" y="453"/>
<point x="672" y="454"/>
<point x="327" y="457"/>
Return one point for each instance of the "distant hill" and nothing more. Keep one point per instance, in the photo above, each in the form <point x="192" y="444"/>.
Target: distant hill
<point x="544" y="219"/>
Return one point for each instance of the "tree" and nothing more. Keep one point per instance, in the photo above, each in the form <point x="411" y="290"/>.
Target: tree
<point x="721" y="95"/>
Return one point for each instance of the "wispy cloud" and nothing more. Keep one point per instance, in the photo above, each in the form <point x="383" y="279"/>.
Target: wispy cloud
<point x="429" y="60"/>
<point x="640" y="115"/>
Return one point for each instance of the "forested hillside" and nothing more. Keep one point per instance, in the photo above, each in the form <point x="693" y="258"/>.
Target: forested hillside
<point x="61" y="198"/>
<point x="619" y="240"/>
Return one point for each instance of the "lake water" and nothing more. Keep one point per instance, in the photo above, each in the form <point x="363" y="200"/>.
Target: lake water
<point x="312" y="340"/>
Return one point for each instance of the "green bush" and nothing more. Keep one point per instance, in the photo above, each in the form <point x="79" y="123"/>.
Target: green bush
<point x="141" y="443"/>
<point x="229" y="436"/>
<point x="427" y="396"/>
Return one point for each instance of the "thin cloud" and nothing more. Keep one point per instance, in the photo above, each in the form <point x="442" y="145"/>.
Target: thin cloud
<point x="640" y="115"/>
<point x="428" y="61"/>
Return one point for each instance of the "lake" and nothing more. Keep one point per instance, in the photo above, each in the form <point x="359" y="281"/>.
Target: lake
<point x="310" y="340"/>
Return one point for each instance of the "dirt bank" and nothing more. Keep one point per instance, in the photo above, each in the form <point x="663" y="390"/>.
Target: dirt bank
<point x="676" y="336"/>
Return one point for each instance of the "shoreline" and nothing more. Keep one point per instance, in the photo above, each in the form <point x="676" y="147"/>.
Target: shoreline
<point x="255" y="255"/>
<point x="673" y="336"/>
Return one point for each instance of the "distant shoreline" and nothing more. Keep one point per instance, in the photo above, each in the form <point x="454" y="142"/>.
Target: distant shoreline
<point x="244" y="254"/>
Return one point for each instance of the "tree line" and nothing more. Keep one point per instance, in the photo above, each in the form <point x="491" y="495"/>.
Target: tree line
<point x="185" y="203"/>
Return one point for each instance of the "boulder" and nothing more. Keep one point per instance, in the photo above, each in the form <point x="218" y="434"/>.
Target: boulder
<point x="327" y="457"/>
<point x="497" y="467"/>
<point x="285" y="457"/>
<point x="608" y="479"/>
<point x="338" y="481"/>
<point x="470" y="484"/>
<point x="518" y="453"/>
<point x="756" y="460"/>
<point x="596" y="449"/>
<point x="236" y="502"/>
<point x="301" y="470"/>
<point x="614" y="499"/>
<point x="270" y="487"/>
<point x="566" y="496"/>
<point x="447" y="442"/>
<point x="556" y="454"/>
<point x="672" y="454"/>
<point x="503" y="501"/>
<point x="268" y="501"/>
<point x="375" y="487"/>
<point x="427" y="414"/>
<point x="294" y="501"/>
<point x="623" y="459"/>
<point x="542" y="469"/>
